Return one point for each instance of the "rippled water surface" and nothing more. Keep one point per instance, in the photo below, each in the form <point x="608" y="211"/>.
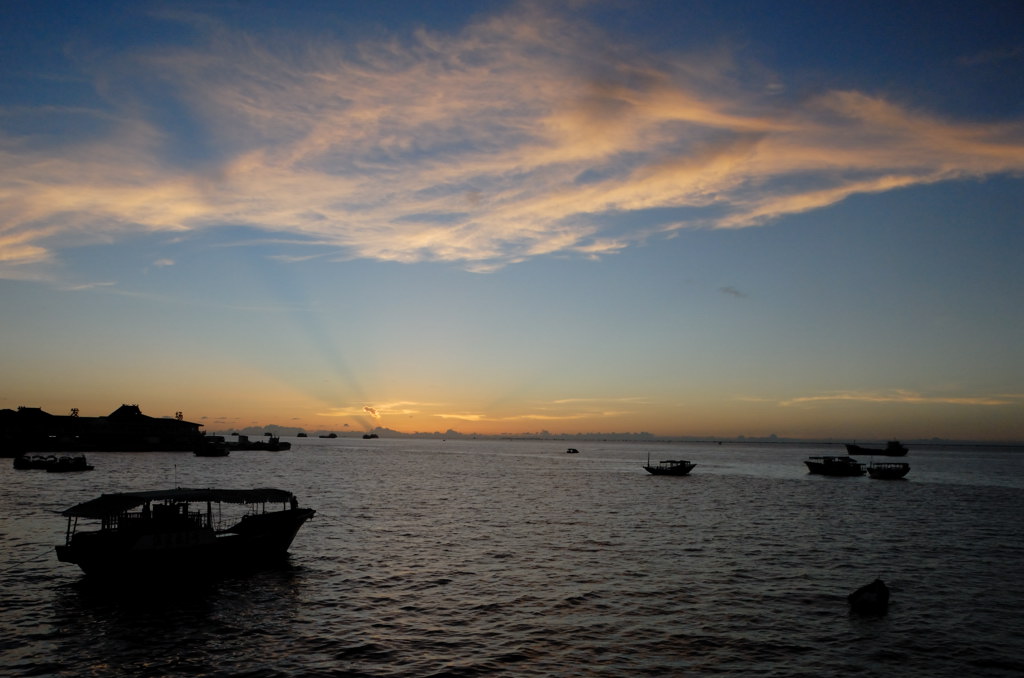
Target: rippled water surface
<point x="482" y="558"/>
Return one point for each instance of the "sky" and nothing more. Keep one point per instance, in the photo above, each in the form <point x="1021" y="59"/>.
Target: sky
<point x="687" y="218"/>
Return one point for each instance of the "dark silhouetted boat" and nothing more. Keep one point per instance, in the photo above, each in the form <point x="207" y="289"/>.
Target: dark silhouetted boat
<point x="212" y="446"/>
<point x="835" y="466"/>
<point x="26" y="462"/>
<point x="167" y="535"/>
<point x="68" y="465"/>
<point x="273" y="444"/>
<point x="669" y="467"/>
<point x="52" y="463"/>
<point x="572" y="450"/>
<point x="893" y="448"/>
<point x="888" y="470"/>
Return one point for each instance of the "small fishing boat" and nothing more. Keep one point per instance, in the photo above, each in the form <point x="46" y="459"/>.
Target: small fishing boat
<point x="572" y="450"/>
<point x="888" y="470"/>
<point x="834" y="466"/>
<point x="669" y="467"/>
<point x="181" y="533"/>
<point x="893" y="448"/>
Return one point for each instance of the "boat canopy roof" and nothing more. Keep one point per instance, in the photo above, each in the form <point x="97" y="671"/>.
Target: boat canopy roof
<point x="119" y="502"/>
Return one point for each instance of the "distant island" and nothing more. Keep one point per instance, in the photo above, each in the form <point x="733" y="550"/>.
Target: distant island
<point x="641" y="436"/>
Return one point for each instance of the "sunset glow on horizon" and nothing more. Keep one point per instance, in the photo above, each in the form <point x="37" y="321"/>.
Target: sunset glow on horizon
<point x="512" y="217"/>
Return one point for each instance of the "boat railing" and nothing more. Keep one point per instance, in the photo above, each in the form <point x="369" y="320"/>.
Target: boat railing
<point x="129" y="518"/>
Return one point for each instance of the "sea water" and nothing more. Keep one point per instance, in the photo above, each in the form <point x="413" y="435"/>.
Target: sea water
<point x="508" y="557"/>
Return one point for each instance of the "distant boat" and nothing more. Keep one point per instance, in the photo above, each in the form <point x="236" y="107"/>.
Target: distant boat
<point x="330" y="435"/>
<point x="69" y="465"/>
<point x="835" y="466"/>
<point x="301" y="435"/>
<point x="888" y="470"/>
<point x="572" y="450"/>
<point x="369" y="436"/>
<point x="52" y="463"/>
<point x="273" y="444"/>
<point x="157" y="537"/>
<point x="893" y="448"/>
<point x="24" y="462"/>
<point x="669" y="467"/>
<point x="212" y="446"/>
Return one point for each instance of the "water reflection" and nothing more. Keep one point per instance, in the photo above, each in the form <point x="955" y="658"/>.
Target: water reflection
<point x="165" y="629"/>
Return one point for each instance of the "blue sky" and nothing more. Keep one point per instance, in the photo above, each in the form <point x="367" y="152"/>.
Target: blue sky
<point x="687" y="218"/>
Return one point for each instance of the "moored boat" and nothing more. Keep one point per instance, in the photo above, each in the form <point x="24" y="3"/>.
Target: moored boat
<point x="572" y="450"/>
<point x="212" y="446"/>
<point x="68" y="465"/>
<point x="25" y="462"/>
<point x="181" y="533"/>
<point x="669" y="467"/>
<point x="888" y="470"/>
<point x="893" y="448"/>
<point x="272" y="443"/>
<point x="834" y="466"/>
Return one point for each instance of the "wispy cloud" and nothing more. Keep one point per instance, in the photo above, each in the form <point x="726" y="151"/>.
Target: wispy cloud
<point x="380" y="411"/>
<point x="732" y="292"/>
<point x="907" y="397"/>
<point x="517" y="137"/>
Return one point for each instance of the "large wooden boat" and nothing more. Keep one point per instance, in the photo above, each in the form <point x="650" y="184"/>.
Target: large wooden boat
<point x="669" y="467"/>
<point x="893" y="448"/>
<point x="888" y="470"/>
<point x="835" y="466"/>
<point x="178" y="533"/>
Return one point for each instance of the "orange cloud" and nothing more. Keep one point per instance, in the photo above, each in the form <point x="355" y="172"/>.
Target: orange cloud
<point x="909" y="397"/>
<point x="485" y="147"/>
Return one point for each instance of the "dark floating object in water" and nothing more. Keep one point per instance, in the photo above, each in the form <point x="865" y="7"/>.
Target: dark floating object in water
<point x="870" y="599"/>
<point x="669" y="467"/>
<point x="888" y="470"/>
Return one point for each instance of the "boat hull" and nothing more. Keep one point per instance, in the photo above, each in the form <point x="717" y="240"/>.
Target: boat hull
<point x="889" y="471"/>
<point x="681" y="469"/>
<point x="835" y="466"/>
